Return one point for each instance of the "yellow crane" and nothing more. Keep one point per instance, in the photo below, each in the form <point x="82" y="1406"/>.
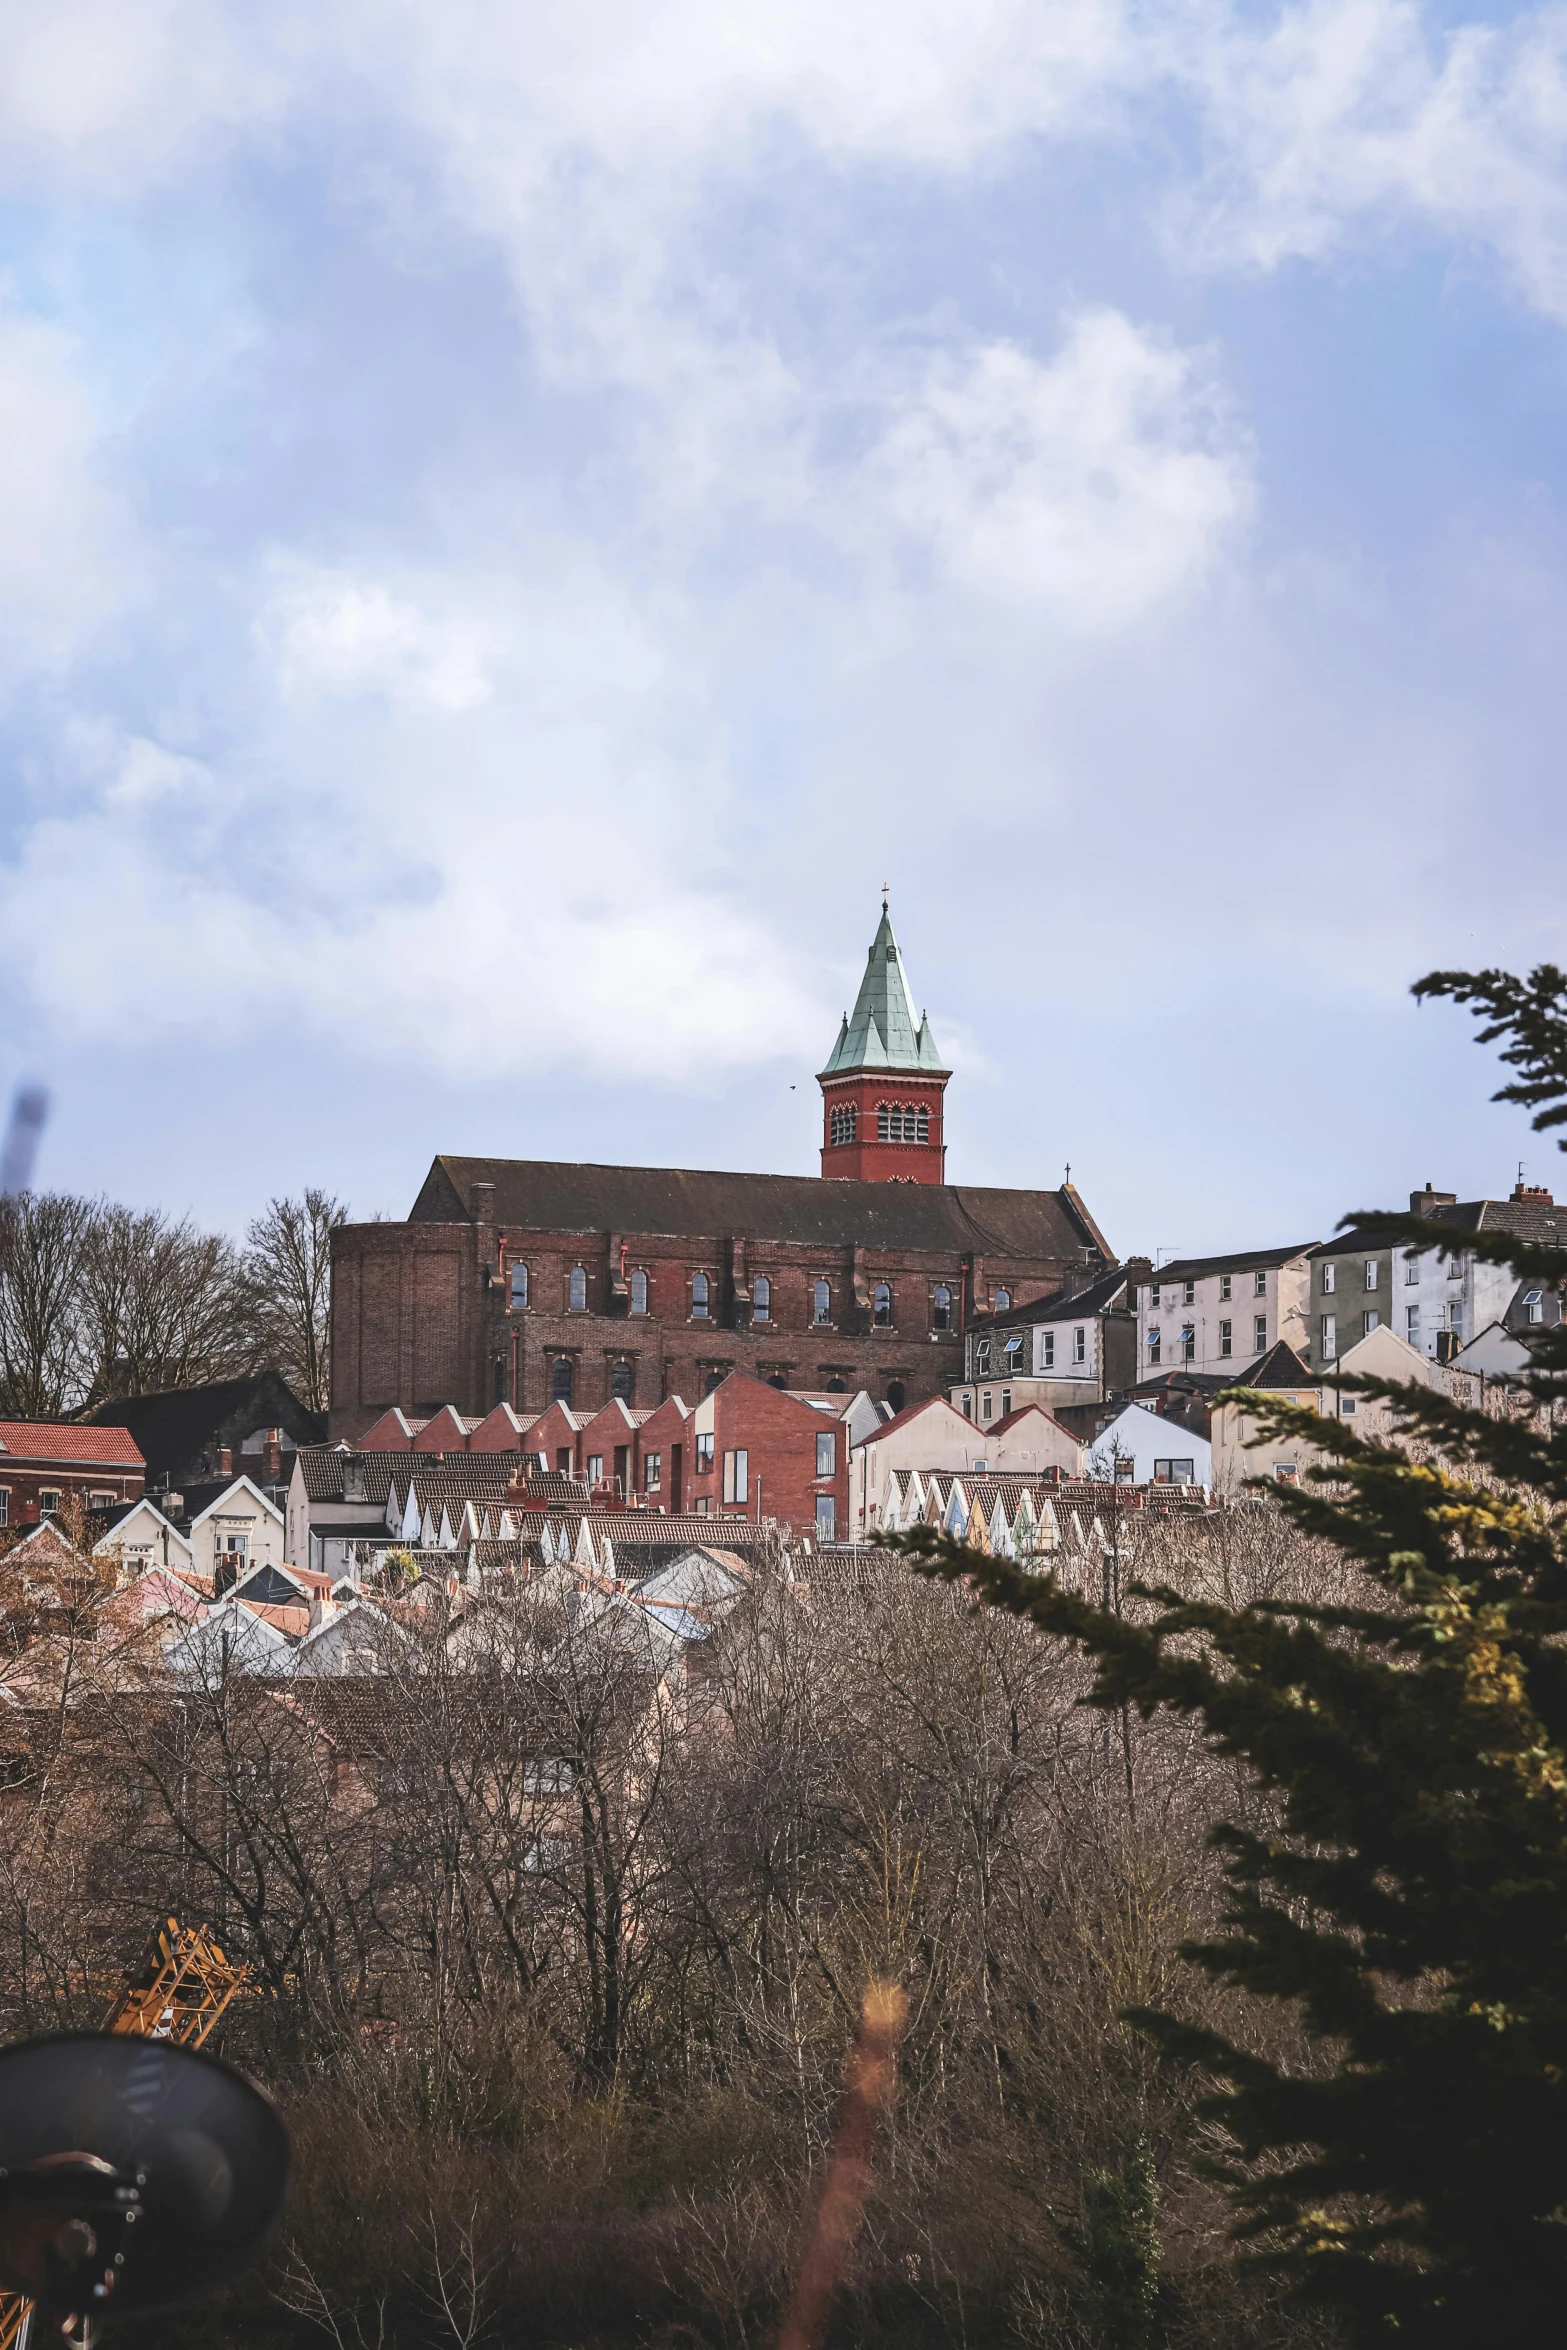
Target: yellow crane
<point x="177" y="1992"/>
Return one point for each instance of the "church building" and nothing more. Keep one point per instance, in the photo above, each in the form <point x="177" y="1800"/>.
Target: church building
<point x="528" y="1281"/>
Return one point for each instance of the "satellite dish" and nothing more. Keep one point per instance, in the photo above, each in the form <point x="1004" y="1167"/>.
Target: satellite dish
<point x="134" y="2176"/>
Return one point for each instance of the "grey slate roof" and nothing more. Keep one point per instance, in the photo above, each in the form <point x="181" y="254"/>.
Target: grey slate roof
<point x="1530" y="1220"/>
<point x="882" y="1032"/>
<point x="1061" y="1306"/>
<point x="945" y="1219"/>
<point x="1249" y="1260"/>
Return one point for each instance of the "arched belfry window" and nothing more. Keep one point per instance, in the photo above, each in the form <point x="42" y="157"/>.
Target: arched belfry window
<point x="638" y="1291"/>
<point x="577" y="1290"/>
<point x="924" y="1125"/>
<point x="842" y="1123"/>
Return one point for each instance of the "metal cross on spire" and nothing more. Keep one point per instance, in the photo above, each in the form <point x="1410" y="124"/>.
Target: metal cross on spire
<point x="884" y="888"/>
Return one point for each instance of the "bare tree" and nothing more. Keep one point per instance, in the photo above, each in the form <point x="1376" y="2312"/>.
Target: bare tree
<point x="41" y="1240"/>
<point x="288" y="1259"/>
<point x="159" y="1304"/>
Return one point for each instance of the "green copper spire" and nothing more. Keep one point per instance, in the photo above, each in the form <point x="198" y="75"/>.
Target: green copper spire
<point x="882" y="1032"/>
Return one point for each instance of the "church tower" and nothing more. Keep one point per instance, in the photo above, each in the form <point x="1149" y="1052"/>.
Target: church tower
<point x="883" y="1087"/>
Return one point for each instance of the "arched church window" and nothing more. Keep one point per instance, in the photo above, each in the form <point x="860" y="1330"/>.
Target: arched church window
<point x="561" y="1379"/>
<point x="1003" y="1300"/>
<point x="638" y="1291"/>
<point x="699" y="1297"/>
<point x="715" y="1378"/>
<point x="941" y="1307"/>
<point x="519" y="1287"/>
<point x="882" y="1302"/>
<point x="761" y="1299"/>
<point x="577" y="1290"/>
<point x="620" y="1378"/>
<point x="897" y="1394"/>
<point x="821" y="1303"/>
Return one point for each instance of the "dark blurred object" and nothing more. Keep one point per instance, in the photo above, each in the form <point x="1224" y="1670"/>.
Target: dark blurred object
<point x="134" y="2175"/>
<point x="29" y="1109"/>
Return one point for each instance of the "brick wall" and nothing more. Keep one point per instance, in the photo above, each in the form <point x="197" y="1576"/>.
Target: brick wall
<point x="778" y="1437"/>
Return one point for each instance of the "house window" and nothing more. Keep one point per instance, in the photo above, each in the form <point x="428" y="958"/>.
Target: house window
<point x="638" y="1290"/>
<point x="652" y="1471"/>
<point x="102" y="1501"/>
<point x="1080" y="1346"/>
<point x="1370" y="1320"/>
<point x="621" y="1380"/>
<point x="5" y="1505"/>
<point x="827" y="1453"/>
<point x="1329" y="1279"/>
<point x="1047" y="1352"/>
<point x="1188" y="1293"/>
<point x="48" y="1500"/>
<point x="982" y="1358"/>
<point x="561" y="1379"/>
<point x="1411" y="1271"/>
<point x="737" y="1476"/>
<point x="577" y="1290"/>
<point x="882" y="1305"/>
<point x="1371" y="1272"/>
<point x="1153" y="1346"/>
<point x="1002" y="1301"/>
<point x="1260" y="1331"/>
<point x="967" y="1404"/>
<point x="1226" y="1338"/>
<point x="519" y="1288"/>
<point x="1188" y="1342"/>
<point x="842" y="1123"/>
<point x="1153" y="1301"/>
<point x="1455" y="1314"/>
<point x="595" y="1468"/>
<point x="761" y="1299"/>
<point x="826" y="1518"/>
<point x="1260" y="1284"/>
<point x="984" y="1405"/>
<point x="1175" y="1472"/>
<point x="821" y="1304"/>
<point x="704" y="1455"/>
<point x="1010" y="1353"/>
<point x="1329" y="1338"/>
<point x="941" y="1307"/>
<point x="1226" y="1289"/>
<point x="699" y="1297"/>
<point x="1412" y="1324"/>
<point x="1006" y="1401"/>
<point x="1534" y="1305"/>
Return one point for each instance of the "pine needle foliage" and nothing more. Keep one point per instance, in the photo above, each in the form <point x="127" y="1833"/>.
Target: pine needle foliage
<point x="1408" y="1895"/>
<point x="1116" y="2245"/>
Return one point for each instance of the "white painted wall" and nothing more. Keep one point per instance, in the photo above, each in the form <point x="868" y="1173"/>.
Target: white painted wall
<point x="1147" y="1440"/>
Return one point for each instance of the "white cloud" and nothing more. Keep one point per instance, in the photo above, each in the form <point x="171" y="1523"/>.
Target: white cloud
<point x="1095" y="485"/>
<point x="330" y="632"/>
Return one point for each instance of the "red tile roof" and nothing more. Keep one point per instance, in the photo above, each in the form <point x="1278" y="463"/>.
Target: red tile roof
<point x="70" y="1440"/>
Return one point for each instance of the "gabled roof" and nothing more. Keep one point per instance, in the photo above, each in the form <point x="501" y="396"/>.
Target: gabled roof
<point x="179" y="1423"/>
<point x="1064" y="1305"/>
<point x="67" y="1440"/>
<point x="235" y="1485"/>
<point x="1281" y="1366"/>
<point x="882" y="1032"/>
<point x="1543" y="1223"/>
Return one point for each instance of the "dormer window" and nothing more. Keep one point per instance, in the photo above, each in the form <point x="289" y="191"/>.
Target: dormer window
<point x="638" y="1287"/>
<point x="577" y="1290"/>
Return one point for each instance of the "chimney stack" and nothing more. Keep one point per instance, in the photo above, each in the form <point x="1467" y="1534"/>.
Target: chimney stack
<point x="272" y="1454"/>
<point x="1424" y="1203"/>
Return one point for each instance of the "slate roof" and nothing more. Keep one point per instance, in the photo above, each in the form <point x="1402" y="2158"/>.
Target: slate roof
<point x="1063" y="1305"/>
<point x="1281" y="1366"/>
<point x="61" y="1440"/>
<point x="882" y="1032"/>
<point x="456" y="1476"/>
<point x="944" y="1219"/>
<point x="1541" y="1223"/>
<point x="176" y="1426"/>
<point x="1249" y="1260"/>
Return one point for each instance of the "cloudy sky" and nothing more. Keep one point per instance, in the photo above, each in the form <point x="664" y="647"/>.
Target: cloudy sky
<point x="517" y="516"/>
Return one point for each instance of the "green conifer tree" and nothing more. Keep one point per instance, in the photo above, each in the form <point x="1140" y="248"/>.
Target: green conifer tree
<point x="1409" y="1896"/>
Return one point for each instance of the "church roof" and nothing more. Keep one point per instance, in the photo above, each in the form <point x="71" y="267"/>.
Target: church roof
<point x="882" y="1032"/>
<point x="686" y="1203"/>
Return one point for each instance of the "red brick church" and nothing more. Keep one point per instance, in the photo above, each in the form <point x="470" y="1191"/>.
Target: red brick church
<point x="528" y="1281"/>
